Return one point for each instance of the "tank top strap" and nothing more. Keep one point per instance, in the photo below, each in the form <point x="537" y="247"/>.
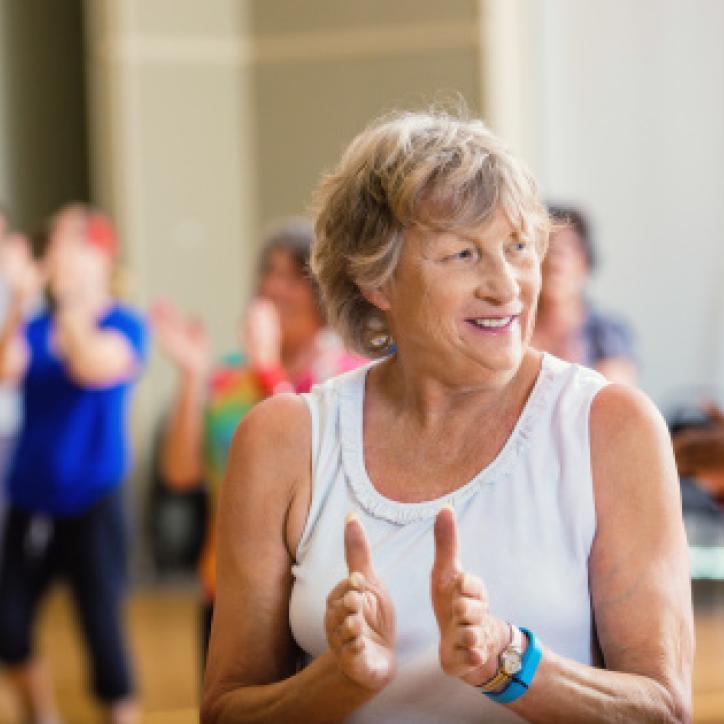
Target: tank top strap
<point x="323" y="403"/>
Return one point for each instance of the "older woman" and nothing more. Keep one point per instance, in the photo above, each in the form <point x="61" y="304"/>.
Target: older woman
<point x="515" y="548"/>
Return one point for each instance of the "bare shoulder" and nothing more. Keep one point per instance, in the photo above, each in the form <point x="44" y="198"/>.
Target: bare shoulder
<point x="283" y="418"/>
<point x="620" y="408"/>
<point x="273" y="438"/>
<point x="269" y="467"/>
<point x="630" y="443"/>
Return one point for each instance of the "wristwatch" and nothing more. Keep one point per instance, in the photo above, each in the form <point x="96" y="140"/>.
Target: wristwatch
<point x="519" y="682"/>
<point x="510" y="661"/>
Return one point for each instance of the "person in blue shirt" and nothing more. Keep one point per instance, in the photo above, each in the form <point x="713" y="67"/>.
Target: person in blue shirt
<point x="76" y="364"/>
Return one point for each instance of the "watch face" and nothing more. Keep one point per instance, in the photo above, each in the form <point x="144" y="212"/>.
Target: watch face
<point x="510" y="662"/>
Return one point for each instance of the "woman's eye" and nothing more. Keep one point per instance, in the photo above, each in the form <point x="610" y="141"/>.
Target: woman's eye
<point x="519" y="245"/>
<point x="463" y="254"/>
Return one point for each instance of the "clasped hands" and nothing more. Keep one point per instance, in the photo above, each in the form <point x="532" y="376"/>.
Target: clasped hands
<point x="360" y="617"/>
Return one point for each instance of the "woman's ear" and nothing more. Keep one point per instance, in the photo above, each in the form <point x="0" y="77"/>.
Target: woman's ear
<point x="376" y="296"/>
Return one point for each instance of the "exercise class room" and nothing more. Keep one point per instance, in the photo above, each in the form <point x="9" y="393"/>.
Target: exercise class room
<point x="361" y="361"/>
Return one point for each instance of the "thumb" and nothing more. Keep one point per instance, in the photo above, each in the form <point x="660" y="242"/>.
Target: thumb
<point x="357" y="551"/>
<point x="446" y="563"/>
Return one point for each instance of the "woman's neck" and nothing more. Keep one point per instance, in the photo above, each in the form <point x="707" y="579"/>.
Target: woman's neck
<point x="436" y="401"/>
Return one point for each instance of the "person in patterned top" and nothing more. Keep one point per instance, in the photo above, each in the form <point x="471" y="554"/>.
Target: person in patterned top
<point x="287" y="348"/>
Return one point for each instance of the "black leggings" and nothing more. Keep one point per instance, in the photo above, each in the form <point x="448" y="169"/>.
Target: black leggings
<point x="89" y="551"/>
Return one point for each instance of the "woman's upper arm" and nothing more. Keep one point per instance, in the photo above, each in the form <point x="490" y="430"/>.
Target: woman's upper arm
<point x="269" y="464"/>
<point x="638" y="566"/>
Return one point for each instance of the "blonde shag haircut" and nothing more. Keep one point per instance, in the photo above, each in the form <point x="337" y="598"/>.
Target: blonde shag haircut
<point x="429" y="170"/>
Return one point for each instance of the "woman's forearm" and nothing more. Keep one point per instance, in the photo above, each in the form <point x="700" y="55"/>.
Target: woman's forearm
<point x="319" y="693"/>
<point x="182" y="441"/>
<point x="565" y="690"/>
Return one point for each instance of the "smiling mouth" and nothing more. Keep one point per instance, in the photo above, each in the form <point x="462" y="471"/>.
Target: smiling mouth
<point x="493" y="324"/>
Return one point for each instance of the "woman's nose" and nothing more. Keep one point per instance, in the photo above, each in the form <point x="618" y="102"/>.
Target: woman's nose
<point x="499" y="283"/>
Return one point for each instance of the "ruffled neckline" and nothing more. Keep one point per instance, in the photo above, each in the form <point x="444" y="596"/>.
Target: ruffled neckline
<point x="378" y="505"/>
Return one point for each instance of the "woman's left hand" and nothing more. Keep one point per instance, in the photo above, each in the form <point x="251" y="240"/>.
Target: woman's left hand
<point x="471" y="639"/>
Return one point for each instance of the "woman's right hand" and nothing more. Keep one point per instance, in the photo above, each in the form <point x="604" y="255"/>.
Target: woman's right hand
<point x="360" y="617"/>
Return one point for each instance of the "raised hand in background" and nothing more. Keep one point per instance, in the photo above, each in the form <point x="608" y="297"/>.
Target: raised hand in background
<point x="183" y="340"/>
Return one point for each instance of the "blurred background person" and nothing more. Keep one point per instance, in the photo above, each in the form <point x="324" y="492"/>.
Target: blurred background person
<point x="76" y="363"/>
<point x="568" y="324"/>
<point x="287" y="347"/>
<point x="14" y="247"/>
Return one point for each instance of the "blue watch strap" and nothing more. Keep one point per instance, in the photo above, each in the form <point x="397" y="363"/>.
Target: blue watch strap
<point x="519" y="683"/>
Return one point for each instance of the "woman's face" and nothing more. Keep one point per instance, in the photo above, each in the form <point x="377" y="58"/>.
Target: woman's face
<point x="291" y="292"/>
<point x="565" y="268"/>
<point x="465" y="298"/>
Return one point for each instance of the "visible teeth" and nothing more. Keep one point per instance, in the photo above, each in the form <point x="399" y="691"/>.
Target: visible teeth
<point x="502" y="322"/>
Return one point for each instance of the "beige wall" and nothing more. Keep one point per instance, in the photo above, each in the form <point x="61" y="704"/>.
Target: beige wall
<point x="324" y="69"/>
<point x="173" y="160"/>
<point x="211" y="120"/>
<point x="619" y="106"/>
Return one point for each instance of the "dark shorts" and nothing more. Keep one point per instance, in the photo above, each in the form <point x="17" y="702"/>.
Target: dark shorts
<point x="89" y="552"/>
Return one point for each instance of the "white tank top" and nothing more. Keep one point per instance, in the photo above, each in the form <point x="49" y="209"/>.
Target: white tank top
<point x="526" y="524"/>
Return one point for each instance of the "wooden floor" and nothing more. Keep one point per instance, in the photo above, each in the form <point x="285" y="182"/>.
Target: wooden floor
<point x="164" y="626"/>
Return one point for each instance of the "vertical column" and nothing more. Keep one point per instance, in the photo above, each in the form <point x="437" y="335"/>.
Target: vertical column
<point x="511" y="74"/>
<point x="172" y="160"/>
